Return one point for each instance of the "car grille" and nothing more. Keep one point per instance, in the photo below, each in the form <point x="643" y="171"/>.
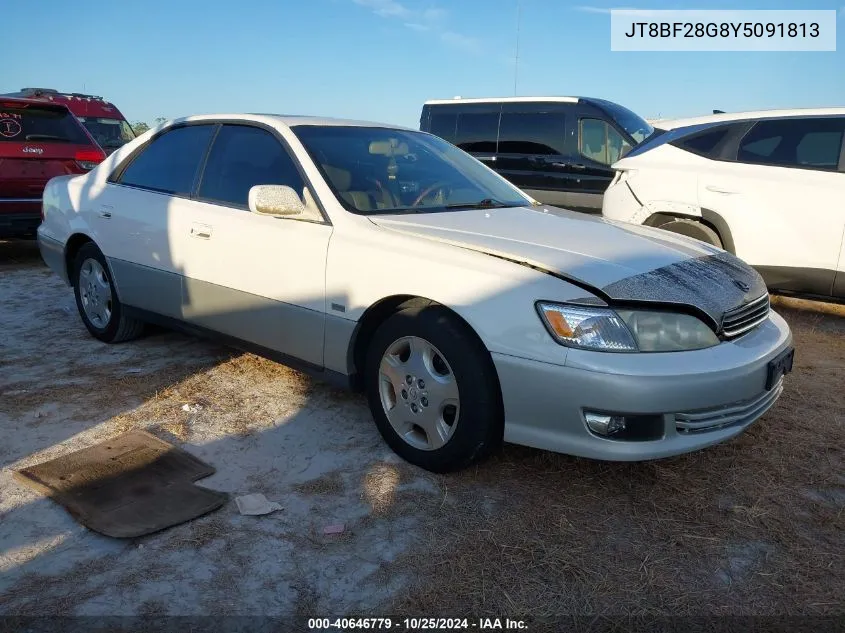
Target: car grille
<point x="741" y="319"/>
<point x="736" y="414"/>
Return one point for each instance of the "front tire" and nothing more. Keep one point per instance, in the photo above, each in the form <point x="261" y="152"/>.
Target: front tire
<point x="433" y="390"/>
<point x="97" y="301"/>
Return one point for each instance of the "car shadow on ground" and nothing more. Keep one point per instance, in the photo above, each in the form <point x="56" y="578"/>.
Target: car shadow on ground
<point x="18" y="253"/>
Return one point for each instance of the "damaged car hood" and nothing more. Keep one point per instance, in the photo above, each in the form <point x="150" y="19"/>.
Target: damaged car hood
<point x="618" y="262"/>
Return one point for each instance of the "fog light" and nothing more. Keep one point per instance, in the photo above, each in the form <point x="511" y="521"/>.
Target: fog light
<point x="604" y="424"/>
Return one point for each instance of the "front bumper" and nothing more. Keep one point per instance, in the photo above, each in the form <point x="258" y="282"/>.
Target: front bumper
<point x="619" y="203"/>
<point x="720" y="391"/>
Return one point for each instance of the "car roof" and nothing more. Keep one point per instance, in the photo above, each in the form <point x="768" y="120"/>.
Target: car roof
<point x="32" y="102"/>
<point x="670" y="124"/>
<point x="290" y="120"/>
<point x="82" y="105"/>
<point x="460" y="100"/>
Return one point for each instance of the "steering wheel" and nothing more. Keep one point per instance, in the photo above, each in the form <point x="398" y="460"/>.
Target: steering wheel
<point x="440" y="184"/>
<point x="384" y="191"/>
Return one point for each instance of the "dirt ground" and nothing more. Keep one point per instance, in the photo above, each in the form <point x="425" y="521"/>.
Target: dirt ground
<point x="751" y="527"/>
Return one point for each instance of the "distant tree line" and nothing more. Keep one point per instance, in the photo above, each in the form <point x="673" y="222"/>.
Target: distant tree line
<point x="139" y="127"/>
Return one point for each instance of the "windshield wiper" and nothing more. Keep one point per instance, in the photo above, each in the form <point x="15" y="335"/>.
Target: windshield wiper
<point x="487" y="203"/>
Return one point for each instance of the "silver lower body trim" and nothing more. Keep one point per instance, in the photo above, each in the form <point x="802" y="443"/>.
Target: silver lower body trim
<point x="722" y="417"/>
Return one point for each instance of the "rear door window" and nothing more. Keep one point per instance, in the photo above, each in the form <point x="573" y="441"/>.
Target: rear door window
<point x="477" y="131"/>
<point x="599" y="141"/>
<point x="242" y="157"/>
<point x="532" y="133"/>
<point x="171" y="162"/>
<point x="33" y="124"/>
<point x="813" y="143"/>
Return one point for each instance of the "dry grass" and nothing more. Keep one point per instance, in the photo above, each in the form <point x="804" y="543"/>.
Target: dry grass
<point x="152" y="609"/>
<point x="307" y="600"/>
<point x="198" y="534"/>
<point x="234" y="397"/>
<point x="36" y="594"/>
<point x="753" y="526"/>
<point x="152" y="571"/>
<point x="329" y="484"/>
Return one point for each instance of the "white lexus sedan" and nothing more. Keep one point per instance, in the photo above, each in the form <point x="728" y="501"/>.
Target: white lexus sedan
<point x="393" y="262"/>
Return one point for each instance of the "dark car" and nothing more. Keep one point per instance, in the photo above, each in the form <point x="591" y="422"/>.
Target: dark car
<point x="557" y="149"/>
<point x="38" y="141"/>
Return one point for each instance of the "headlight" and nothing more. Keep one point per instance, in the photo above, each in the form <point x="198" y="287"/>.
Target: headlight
<point x="668" y="332"/>
<point x="625" y="330"/>
<point x="589" y="328"/>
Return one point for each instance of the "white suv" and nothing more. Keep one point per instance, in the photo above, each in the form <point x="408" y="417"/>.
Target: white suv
<point x="766" y="186"/>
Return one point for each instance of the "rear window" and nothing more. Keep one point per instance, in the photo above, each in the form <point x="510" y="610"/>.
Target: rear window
<point x="40" y="125"/>
<point x="703" y="143"/>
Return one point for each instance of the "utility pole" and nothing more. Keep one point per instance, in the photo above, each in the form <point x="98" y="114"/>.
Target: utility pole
<point x="516" y="57"/>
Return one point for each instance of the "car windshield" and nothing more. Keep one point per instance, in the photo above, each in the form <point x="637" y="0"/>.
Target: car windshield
<point x="380" y="170"/>
<point x="109" y="133"/>
<point x="632" y="123"/>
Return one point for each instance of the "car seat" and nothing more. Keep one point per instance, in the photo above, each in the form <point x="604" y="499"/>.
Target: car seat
<point x="362" y="200"/>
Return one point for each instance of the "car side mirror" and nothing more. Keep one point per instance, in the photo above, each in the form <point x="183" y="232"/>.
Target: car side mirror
<point x="275" y="200"/>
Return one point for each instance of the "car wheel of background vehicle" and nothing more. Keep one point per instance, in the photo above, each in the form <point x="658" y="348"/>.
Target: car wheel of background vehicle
<point x="97" y="300"/>
<point x="694" y="229"/>
<point x="433" y="390"/>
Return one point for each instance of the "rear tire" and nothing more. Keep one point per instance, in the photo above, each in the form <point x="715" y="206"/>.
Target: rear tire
<point x="433" y="390"/>
<point x="694" y="229"/>
<point x="97" y="301"/>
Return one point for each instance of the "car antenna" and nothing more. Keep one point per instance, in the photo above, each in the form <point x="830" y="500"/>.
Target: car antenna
<point x="516" y="56"/>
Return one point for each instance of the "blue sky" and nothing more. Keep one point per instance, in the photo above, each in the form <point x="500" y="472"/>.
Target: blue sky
<point x="380" y="59"/>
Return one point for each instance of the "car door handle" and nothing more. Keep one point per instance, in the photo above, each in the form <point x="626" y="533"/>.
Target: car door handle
<point x="201" y="230"/>
<point x="717" y="189"/>
<point x="578" y="166"/>
<point x="490" y="158"/>
<point x="105" y="211"/>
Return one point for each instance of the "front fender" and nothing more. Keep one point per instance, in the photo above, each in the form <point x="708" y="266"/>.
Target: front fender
<point x="495" y="297"/>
